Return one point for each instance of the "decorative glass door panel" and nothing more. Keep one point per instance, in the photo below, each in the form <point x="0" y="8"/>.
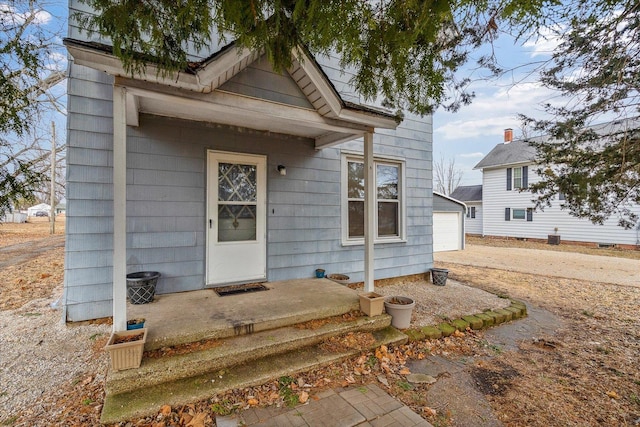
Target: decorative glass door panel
<point x="237" y="199"/>
<point x="236" y="242"/>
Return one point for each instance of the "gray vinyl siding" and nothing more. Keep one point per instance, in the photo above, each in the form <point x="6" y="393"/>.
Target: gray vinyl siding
<point x="166" y="193"/>
<point x="496" y="198"/>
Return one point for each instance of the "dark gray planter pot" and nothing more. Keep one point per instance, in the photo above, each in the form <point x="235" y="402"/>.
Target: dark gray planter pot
<point x="141" y="286"/>
<point x="439" y="276"/>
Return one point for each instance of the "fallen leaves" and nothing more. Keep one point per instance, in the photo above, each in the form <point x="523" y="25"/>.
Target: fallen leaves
<point x="613" y="395"/>
<point x="350" y="341"/>
<point x="198" y="420"/>
<point x="430" y="412"/>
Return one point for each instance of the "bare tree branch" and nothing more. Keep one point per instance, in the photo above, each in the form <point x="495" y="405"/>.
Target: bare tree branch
<point x="446" y="176"/>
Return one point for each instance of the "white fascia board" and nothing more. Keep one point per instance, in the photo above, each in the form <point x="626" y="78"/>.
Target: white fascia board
<point x="368" y="119"/>
<point x="113" y="66"/>
<point x="507" y="165"/>
<point x="331" y="139"/>
<point x="333" y="99"/>
<point x="319" y="80"/>
<point x="209" y="74"/>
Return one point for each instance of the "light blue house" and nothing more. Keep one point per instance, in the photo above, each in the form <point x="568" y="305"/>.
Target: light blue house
<point x="230" y="172"/>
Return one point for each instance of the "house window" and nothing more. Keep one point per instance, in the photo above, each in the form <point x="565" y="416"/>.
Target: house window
<point x="517" y="178"/>
<point x="519" y="213"/>
<point x="561" y="196"/>
<point x="471" y="212"/>
<point x="389" y="216"/>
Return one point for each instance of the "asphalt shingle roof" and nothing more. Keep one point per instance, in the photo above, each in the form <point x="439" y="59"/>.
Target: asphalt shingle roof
<point x="508" y="154"/>
<point x="467" y="193"/>
<point x="521" y="152"/>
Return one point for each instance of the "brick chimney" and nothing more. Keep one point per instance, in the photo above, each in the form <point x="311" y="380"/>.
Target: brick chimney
<point x="508" y="135"/>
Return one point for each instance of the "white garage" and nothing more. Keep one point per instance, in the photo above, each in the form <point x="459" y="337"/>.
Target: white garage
<point x="448" y="223"/>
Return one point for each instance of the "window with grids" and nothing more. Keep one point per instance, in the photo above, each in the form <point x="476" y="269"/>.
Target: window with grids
<point x="388" y="195"/>
<point x="517" y="178"/>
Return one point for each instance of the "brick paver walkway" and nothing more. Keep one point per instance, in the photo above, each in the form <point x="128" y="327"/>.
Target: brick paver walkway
<point x="368" y="406"/>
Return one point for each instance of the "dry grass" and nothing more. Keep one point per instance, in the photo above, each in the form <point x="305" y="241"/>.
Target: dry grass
<point x="591" y="377"/>
<point x="38" y="278"/>
<point x="31" y="277"/>
<point x="35" y="229"/>
<point x="563" y="247"/>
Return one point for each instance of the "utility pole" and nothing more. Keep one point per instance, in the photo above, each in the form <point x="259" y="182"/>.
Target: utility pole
<point x="52" y="224"/>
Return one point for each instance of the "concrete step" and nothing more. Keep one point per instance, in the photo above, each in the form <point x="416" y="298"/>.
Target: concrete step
<point x="146" y="401"/>
<point x="186" y="317"/>
<point x="233" y="351"/>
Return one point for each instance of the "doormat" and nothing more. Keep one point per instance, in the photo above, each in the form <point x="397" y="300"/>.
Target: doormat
<point x="240" y="289"/>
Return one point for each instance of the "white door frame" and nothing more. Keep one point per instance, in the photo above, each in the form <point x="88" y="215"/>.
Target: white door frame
<point x="239" y="253"/>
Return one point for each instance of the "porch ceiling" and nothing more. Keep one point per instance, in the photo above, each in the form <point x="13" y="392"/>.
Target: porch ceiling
<point x="236" y="110"/>
<point x="195" y="95"/>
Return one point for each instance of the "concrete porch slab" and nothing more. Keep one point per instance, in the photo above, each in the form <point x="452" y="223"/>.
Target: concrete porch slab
<point x="180" y="318"/>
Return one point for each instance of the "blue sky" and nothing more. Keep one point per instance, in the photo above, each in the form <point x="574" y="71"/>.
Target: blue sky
<point x="469" y="134"/>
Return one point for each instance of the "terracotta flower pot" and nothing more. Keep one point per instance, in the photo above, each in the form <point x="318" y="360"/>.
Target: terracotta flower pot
<point x="371" y="304"/>
<point x="126" y="348"/>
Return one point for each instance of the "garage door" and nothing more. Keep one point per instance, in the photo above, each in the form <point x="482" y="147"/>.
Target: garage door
<point x="446" y="231"/>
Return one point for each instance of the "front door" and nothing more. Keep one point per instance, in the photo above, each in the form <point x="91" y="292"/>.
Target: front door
<point x="236" y="218"/>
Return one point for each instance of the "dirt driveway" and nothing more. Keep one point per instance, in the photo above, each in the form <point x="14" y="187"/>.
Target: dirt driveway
<point x="569" y="265"/>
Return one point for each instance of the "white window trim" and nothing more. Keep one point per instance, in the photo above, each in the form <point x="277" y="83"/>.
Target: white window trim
<point x="513" y="211"/>
<point x="344" y="217"/>
<point x="513" y="178"/>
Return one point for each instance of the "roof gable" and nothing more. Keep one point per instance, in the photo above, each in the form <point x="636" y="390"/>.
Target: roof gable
<point x="215" y="90"/>
<point x="446" y="198"/>
<point x="260" y="80"/>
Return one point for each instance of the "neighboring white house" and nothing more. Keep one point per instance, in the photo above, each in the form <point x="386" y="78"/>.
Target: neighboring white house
<point x="448" y="223"/>
<point x="471" y="195"/>
<point x="509" y="212"/>
<point x="37" y="208"/>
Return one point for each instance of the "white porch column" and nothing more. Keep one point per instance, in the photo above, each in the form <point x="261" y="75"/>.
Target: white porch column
<point x="369" y="212"/>
<point x="119" y="209"/>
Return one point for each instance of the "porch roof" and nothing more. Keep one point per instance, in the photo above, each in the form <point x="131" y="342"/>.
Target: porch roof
<point x="196" y="94"/>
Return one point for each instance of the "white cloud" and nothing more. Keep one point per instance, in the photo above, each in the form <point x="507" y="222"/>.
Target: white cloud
<point x="495" y="108"/>
<point x="475" y="155"/>
<point x="10" y="14"/>
<point x="546" y="41"/>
